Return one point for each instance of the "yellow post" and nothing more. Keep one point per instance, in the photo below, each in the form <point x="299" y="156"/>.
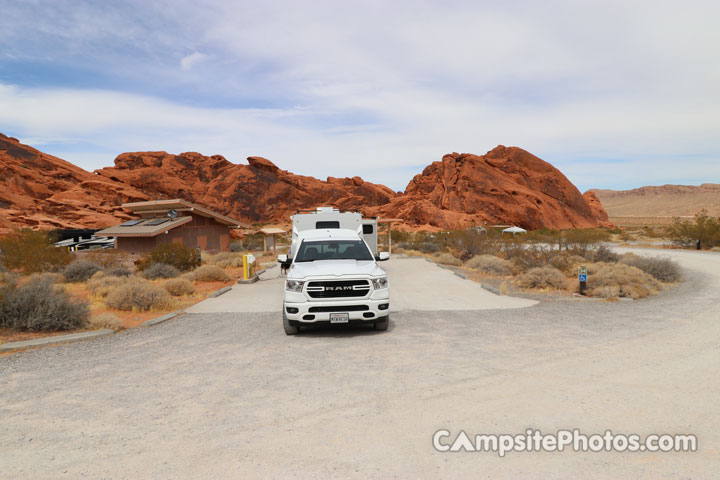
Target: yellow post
<point x="248" y="266"/>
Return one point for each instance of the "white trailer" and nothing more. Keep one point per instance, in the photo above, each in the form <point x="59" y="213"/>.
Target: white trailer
<point x="329" y="217"/>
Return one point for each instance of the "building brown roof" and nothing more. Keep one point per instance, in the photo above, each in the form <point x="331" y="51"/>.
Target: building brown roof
<point x="179" y="205"/>
<point x="143" y="227"/>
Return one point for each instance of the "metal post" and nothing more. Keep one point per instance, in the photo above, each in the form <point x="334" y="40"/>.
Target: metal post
<point x="389" y="238"/>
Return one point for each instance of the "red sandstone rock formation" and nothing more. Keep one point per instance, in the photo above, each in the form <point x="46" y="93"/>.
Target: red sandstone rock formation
<point x="505" y="186"/>
<point x="42" y="191"/>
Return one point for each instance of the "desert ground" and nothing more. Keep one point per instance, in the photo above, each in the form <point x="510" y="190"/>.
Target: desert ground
<point x="221" y="392"/>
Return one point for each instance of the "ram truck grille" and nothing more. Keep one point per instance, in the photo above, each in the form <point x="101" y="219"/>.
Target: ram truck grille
<point x="335" y="289"/>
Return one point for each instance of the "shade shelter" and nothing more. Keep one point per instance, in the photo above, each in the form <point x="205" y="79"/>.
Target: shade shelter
<point x="514" y="230"/>
<point x="270" y="238"/>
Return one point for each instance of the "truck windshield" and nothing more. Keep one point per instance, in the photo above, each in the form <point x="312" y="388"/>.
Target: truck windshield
<point x="333" y="250"/>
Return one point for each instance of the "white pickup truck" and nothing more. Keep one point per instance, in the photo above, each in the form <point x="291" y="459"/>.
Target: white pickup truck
<point x="334" y="278"/>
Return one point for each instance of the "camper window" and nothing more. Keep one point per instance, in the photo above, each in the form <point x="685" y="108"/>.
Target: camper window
<point x="320" y="225"/>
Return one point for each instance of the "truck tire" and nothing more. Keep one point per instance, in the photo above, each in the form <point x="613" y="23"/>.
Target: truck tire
<point x="289" y="329"/>
<point x="382" y="323"/>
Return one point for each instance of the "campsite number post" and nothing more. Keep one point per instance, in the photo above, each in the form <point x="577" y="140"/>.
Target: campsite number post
<point x="582" y="277"/>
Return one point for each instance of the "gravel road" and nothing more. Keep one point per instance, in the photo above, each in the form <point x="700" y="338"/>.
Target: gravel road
<point x="228" y="395"/>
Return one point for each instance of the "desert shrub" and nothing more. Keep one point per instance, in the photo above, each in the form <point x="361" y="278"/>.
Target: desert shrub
<point x="593" y="267"/>
<point x="447" y="259"/>
<point x="226" y="259"/>
<point x="105" y="320"/>
<point x="704" y="231"/>
<point x="175" y="254"/>
<point x="107" y="257"/>
<point x="543" y="277"/>
<point x="137" y="294"/>
<point x="160" y="270"/>
<point x="179" y="286"/>
<point x="581" y="242"/>
<point x="620" y="280"/>
<point x="236" y="246"/>
<point x="428" y="247"/>
<point x="32" y="252"/>
<point x="39" y="305"/>
<point x="526" y="257"/>
<point x="490" y="264"/>
<point x="118" y="272"/>
<point x="566" y="262"/>
<point x="101" y="284"/>
<point x="252" y="242"/>
<point x="210" y="273"/>
<point x="80" y="271"/>
<point x="603" y="254"/>
<point x="472" y="242"/>
<point x="53" y="277"/>
<point x="662" y="269"/>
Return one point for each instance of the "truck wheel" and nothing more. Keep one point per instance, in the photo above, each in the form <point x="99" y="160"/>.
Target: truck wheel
<point x="382" y="324"/>
<point x="289" y="329"/>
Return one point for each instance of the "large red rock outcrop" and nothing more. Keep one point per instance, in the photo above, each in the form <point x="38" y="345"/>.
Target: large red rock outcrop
<point x="41" y="191"/>
<point x="505" y="186"/>
<point x="258" y="191"/>
<point x="597" y="209"/>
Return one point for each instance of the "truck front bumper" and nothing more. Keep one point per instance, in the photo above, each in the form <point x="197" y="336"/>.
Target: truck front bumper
<point x="365" y="310"/>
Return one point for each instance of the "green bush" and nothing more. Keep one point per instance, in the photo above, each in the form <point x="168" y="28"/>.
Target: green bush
<point x="160" y="270"/>
<point x="472" y="242"/>
<point x="80" y="271"/>
<point x="32" y="252"/>
<point x="40" y="305"/>
<point x="175" y="254"/>
<point x="179" y="286"/>
<point x="490" y="264"/>
<point x="703" y="230"/>
<point x="543" y="277"/>
<point x="662" y="269"/>
<point x="236" y="246"/>
<point x="137" y="294"/>
<point x="210" y="273"/>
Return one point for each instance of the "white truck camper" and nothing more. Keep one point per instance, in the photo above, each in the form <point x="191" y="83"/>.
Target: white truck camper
<point x="329" y="217"/>
<point x="332" y="272"/>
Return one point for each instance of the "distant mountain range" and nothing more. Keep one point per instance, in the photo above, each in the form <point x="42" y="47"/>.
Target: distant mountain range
<point x="662" y="201"/>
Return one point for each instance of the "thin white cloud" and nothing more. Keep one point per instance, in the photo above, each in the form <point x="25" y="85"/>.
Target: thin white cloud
<point x="189" y="61"/>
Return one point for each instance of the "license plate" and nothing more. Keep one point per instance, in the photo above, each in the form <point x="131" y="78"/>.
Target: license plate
<point x="339" y="317"/>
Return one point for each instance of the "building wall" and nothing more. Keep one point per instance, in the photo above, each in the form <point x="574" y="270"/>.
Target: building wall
<point x="135" y="244"/>
<point x="203" y="232"/>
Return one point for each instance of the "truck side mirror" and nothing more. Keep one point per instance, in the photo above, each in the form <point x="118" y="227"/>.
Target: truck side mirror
<point x="282" y="258"/>
<point x="382" y="256"/>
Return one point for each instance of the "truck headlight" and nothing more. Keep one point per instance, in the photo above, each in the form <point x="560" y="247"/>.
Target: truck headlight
<point x="294" y="286"/>
<point x="381" y="282"/>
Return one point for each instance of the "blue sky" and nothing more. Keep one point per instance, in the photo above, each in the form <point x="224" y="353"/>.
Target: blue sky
<point x="615" y="94"/>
